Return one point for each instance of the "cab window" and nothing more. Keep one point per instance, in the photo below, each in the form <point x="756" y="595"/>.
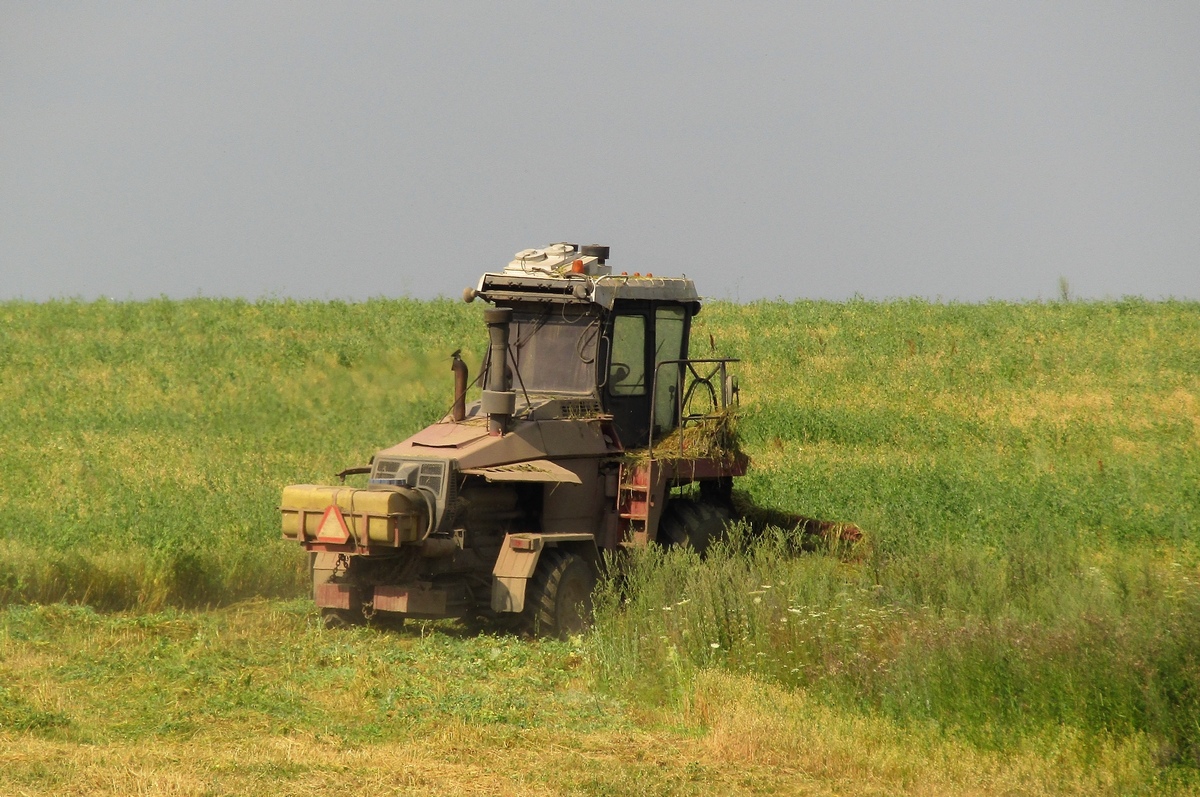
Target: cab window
<point x="668" y="345"/>
<point x="627" y="366"/>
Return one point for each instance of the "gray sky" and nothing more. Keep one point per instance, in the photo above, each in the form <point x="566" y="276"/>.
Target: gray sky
<point x="957" y="150"/>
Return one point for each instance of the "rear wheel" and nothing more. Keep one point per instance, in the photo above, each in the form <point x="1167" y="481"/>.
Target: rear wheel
<point x="696" y="524"/>
<point x="559" y="600"/>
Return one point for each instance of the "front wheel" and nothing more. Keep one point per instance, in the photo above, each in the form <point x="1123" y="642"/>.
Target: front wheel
<point x="559" y="601"/>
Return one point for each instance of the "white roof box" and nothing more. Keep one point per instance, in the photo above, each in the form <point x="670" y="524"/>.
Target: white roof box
<point x="567" y="273"/>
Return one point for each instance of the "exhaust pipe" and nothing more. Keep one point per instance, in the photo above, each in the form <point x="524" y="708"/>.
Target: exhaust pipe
<point x="459" y="411"/>
<point x="499" y="403"/>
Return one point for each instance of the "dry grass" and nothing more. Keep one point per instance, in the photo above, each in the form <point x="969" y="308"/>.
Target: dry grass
<point x="833" y="751"/>
<point x="257" y="700"/>
<point x="735" y="737"/>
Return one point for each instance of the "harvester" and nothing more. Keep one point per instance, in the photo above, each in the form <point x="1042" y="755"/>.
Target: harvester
<point x="595" y="431"/>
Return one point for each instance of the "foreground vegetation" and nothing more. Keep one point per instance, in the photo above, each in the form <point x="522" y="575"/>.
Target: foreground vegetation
<point x="1007" y="648"/>
<point x="1020" y="614"/>
<point x="259" y="699"/>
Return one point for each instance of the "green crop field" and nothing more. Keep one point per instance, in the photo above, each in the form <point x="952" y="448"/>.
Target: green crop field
<point x="1021" y="614"/>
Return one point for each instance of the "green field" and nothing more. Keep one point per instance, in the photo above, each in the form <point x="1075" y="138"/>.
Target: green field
<point x="1022" y="614"/>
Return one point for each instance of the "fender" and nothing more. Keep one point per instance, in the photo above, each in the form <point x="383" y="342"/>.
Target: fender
<point x="518" y="560"/>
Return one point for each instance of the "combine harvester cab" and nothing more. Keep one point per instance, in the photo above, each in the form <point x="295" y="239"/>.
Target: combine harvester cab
<point x="595" y="431"/>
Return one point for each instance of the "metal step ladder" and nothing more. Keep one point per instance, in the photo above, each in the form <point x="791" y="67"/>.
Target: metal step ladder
<point x="633" y="501"/>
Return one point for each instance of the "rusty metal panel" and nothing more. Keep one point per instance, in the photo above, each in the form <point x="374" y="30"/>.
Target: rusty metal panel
<point x="508" y="594"/>
<point x="324" y="566"/>
<point x="474" y="449"/>
<point x="539" y="470"/>
<point x="448" y="435"/>
<point x="573" y="438"/>
<point x="658" y="500"/>
<point x="566" y="537"/>
<point x="575" y="507"/>
<point x="411" y="600"/>
<point x="684" y="470"/>
<point x="513" y="563"/>
<point x="325" y="561"/>
<point x="470" y="444"/>
<point x="612" y="530"/>
<point x="332" y="596"/>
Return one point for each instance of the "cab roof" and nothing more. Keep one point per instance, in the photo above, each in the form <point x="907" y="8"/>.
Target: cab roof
<point x="568" y="274"/>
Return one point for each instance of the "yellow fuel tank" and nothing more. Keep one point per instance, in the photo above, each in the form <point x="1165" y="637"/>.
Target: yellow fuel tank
<point x="389" y="516"/>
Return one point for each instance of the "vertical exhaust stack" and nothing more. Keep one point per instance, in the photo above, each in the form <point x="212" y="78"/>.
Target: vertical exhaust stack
<point x="499" y="403"/>
<point x="459" y="410"/>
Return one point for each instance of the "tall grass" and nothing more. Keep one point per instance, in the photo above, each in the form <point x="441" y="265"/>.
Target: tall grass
<point x="992" y="645"/>
<point x="1028" y="478"/>
<point x="930" y="422"/>
<point x="143" y="444"/>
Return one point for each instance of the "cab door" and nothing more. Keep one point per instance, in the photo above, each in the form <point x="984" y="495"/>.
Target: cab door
<point x="641" y="335"/>
<point x="670" y="338"/>
<point x="626" y="389"/>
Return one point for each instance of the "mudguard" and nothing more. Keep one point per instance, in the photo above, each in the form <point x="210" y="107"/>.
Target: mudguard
<point x="518" y="560"/>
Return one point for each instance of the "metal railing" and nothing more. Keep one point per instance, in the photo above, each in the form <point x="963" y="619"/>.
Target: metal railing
<point x="689" y="379"/>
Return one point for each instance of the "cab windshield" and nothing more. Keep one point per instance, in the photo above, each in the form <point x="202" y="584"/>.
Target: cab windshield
<point x="554" y="349"/>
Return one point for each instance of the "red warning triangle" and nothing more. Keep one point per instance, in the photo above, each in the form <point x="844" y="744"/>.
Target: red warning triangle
<point x="333" y="527"/>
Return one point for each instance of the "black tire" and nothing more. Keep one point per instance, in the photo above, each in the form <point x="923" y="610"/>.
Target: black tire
<point x="558" y="601"/>
<point x="696" y="524"/>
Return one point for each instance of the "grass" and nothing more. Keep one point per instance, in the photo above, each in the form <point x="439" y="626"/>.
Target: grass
<point x="145" y="444"/>
<point x="256" y="698"/>
<point x="1019" y="615"/>
<point x="993" y="649"/>
<point x="1029" y="480"/>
